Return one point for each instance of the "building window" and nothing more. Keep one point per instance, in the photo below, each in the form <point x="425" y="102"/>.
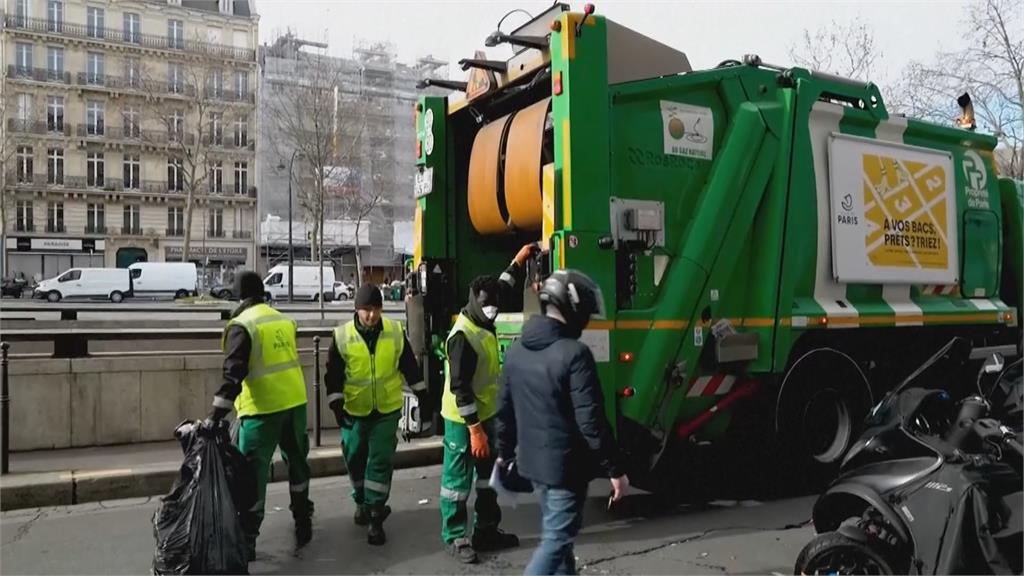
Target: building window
<point x="23" y="164"/>
<point x="55" y="63"/>
<point x="176" y="34"/>
<point x="175" y="175"/>
<point x="130" y="120"/>
<point x="55" y="113"/>
<point x="132" y="219"/>
<point x="132" y="171"/>
<point x="94" y="172"/>
<point x="241" y="177"/>
<point x="241" y="84"/>
<point x="132" y="74"/>
<point x="216" y="224"/>
<point x="175" y="78"/>
<point x="23" y="59"/>
<point x="21" y="13"/>
<point x="216" y="177"/>
<point x="54" y="216"/>
<point x="23" y="114"/>
<point x="132" y="28"/>
<point x="95" y="219"/>
<point x="175" y="221"/>
<point x="94" y="22"/>
<point x="176" y="126"/>
<point x="94" y="118"/>
<point x="23" y="216"/>
<point x="241" y="133"/>
<point x="94" y="68"/>
<point x="55" y="16"/>
<point x="55" y="166"/>
<point x="216" y="83"/>
<point x="216" y="128"/>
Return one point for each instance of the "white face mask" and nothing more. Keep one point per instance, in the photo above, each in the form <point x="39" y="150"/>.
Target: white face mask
<point x="490" y="311"/>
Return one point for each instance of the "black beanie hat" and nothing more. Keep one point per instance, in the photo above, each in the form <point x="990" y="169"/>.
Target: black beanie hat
<point x="369" y="296"/>
<point x="248" y="284"/>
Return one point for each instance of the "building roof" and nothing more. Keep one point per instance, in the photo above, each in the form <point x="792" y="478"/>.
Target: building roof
<point x="242" y="8"/>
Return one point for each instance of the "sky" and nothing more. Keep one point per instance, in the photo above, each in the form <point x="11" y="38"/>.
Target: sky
<point x="707" y="31"/>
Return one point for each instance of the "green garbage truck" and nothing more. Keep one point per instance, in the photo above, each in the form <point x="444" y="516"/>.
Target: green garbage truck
<point x="776" y="248"/>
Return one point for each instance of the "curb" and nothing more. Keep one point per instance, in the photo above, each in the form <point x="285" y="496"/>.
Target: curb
<point x="35" y="490"/>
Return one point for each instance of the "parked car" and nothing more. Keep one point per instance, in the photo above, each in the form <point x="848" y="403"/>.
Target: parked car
<point x="91" y="283"/>
<point x="222" y="291"/>
<point x="13" y="286"/>
<point x="343" y="291"/>
<point x="164" y="279"/>
<point x="308" y="285"/>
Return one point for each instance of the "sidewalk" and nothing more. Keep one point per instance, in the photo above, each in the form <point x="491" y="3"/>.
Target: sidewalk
<point x="77" y="475"/>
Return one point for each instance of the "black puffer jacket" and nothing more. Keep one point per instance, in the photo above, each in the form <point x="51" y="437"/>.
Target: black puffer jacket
<point x="551" y="410"/>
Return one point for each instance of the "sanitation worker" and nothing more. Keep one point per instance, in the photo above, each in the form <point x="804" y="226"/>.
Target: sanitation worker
<point x="551" y="416"/>
<point x="264" y="384"/>
<point x="370" y="359"/>
<point x="468" y="404"/>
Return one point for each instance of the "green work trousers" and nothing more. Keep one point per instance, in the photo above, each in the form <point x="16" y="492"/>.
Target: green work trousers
<point x="369" y="448"/>
<point x="258" y="437"/>
<point x="457" y="481"/>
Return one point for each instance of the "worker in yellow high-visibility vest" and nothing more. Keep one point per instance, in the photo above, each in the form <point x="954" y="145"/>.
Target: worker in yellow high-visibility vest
<point x="468" y="405"/>
<point x="366" y="367"/>
<point x="263" y="382"/>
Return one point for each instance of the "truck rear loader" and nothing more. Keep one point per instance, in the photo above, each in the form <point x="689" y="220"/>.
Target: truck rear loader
<point x="775" y="248"/>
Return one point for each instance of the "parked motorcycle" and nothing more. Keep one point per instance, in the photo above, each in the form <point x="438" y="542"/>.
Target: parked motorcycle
<point x="933" y="485"/>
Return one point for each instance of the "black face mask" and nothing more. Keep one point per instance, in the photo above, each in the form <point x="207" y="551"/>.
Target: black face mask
<point x="477" y="303"/>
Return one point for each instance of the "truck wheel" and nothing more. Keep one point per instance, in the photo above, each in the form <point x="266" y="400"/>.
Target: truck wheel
<point x="53" y="296"/>
<point x="116" y="297"/>
<point x="267" y="297"/>
<point x="821" y="404"/>
<point x="181" y="294"/>
<point x="835" y="553"/>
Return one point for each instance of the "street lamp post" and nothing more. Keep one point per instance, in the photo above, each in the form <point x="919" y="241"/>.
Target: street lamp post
<point x="291" y="250"/>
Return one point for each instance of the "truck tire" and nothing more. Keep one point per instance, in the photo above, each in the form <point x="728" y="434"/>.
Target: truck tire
<point x="53" y="296"/>
<point x="835" y="553"/>
<point x="116" y="297"/>
<point x="820" y="407"/>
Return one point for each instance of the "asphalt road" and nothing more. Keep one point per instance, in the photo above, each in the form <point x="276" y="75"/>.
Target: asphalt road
<point x="640" y="536"/>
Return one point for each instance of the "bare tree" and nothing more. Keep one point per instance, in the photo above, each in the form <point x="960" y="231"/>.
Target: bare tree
<point x="990" y="68"/>
<point x="311" y="119"/>
<point x="7" y="147"/>
<point x="842" y="49"/>
<point x="357" y="204"/>
<point x="182" y="105"/>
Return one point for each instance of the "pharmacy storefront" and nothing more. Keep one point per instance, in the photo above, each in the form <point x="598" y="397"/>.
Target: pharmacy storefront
<point x="42" y="258"/>
<point x="215" y="264"/>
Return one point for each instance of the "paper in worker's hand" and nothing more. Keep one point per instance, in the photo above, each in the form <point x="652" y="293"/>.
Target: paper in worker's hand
<point x="511" y="488"/>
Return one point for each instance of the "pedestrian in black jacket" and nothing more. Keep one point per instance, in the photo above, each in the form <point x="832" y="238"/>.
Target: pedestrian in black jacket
<point x="551" y="416"/>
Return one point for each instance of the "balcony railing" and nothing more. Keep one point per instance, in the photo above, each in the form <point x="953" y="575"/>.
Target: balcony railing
<point x="215" y="233"/>
<point x="121" y="36"/>
<point x="39" y="74"/>
<point x="246" y="97"/>
<point x="175" y="232"/>
<point x="96" y="229"/>
<point x="19" y="126"/>
<point x="55" y="228"/>
<point x="242" y="234"/>
<point x="134" y="83"/>
<point x="24" y="227"/>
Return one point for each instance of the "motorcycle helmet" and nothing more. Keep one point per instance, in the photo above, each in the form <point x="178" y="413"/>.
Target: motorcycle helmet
<point x="575" y="296"/>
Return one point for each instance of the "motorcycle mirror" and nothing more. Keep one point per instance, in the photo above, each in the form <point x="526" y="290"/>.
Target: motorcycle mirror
<point x="994" y="364"/>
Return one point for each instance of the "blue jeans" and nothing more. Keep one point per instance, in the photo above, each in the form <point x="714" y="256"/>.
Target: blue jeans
<point x="562" y="511"/>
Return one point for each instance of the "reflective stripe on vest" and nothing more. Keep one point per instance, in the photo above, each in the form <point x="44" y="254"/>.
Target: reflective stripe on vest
<point x="485" y="378"/>
<point x="275" y="381"/>
<point x="372" y="381"/>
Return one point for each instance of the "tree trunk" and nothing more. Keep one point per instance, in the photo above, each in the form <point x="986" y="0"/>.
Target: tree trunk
<point x="359" y="259"/>
<point x="188" y="226"/>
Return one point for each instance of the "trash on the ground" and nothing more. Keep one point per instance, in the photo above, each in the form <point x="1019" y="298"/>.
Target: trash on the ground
<point x="703" y="554"/>
<point x="425" y="501"/>
<point x="196" y="526"/>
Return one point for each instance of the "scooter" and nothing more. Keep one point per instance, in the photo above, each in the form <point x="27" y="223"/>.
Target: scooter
<point x="933" y="485"/>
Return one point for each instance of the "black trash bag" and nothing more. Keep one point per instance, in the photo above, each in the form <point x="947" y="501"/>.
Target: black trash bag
<point x="197" y="526"/>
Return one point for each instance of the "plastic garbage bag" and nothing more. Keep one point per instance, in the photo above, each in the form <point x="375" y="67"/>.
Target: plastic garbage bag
<point x="510" y="487"/>
<point x="197" y="526"/>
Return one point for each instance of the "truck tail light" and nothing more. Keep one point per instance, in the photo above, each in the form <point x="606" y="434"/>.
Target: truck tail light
<point x="556" y="86"/>
<point x="626" y="357"/>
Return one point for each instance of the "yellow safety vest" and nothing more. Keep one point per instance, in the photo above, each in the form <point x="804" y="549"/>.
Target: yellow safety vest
<point x="275" y="381"/>
<point x="485" y="378"/>
<point x="372" y="381"/>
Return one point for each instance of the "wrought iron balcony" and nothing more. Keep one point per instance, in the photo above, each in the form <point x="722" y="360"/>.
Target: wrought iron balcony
<point x="40" y="127"/>
<point x="39" y="74"/>
<point x="242" y="234"/>
<point x="175" y="232"/>
<point x="100" y="229"/>
<point x="55" y="227"/>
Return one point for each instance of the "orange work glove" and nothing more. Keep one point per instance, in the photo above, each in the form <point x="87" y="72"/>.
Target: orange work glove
<point x="478" y="442"/>
<point x="525" y="252"/>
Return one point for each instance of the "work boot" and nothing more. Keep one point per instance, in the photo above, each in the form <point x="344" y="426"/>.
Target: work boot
<point x="362" y="516"/>
<point x="462" y="550"/>
<point x="494" y="539"/>
<point x="375" y="533"/>
<point x="250" y="550"/>
<point x="303" y="517"/>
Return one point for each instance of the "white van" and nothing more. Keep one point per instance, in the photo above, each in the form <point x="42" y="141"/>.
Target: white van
<point x="106" y="283"/>
<point x="163" y="279"/>
<point x="307" y="283"/>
